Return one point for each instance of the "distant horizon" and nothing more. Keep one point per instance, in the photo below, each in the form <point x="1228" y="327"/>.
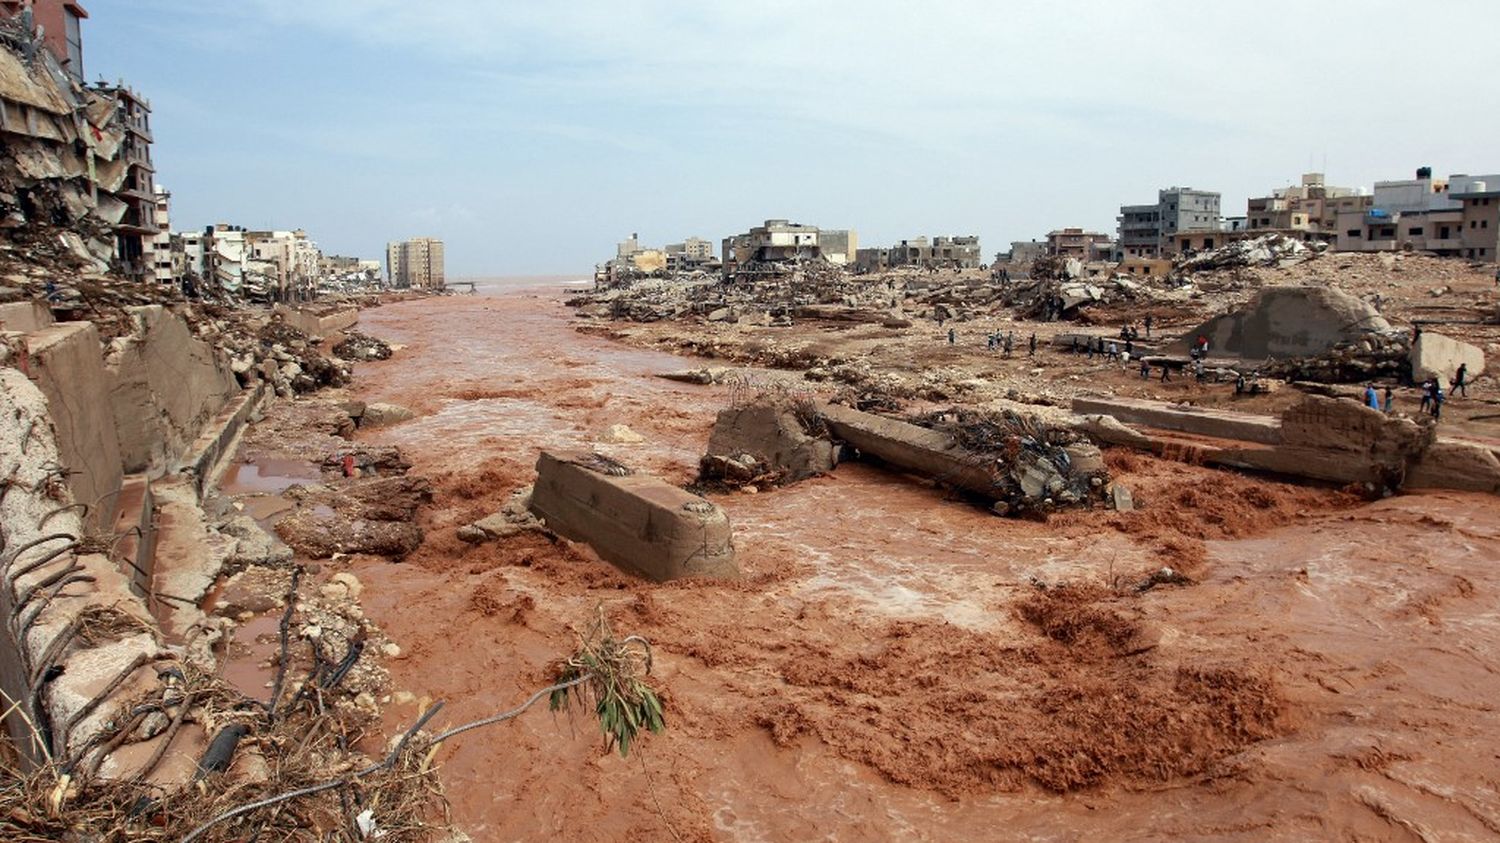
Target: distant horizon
<point x="533" y="135"/>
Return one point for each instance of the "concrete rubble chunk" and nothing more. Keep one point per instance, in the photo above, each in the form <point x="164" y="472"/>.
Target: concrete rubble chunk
<point x="1436" y="356"/>
<point x="766" y="438"/>
<point x="639" y="523"/>
<point x="381" y="414"/>
<point x="619" y="434"/>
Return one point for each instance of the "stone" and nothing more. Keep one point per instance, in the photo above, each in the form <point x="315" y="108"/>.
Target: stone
<point x="380" y="414"/>
<point x="619" y="434"/>
<point x="1436" y="356"/>
<point x="1124" y="501"/>
<point x="351" y="584"/>
<point x="722" y="314"/>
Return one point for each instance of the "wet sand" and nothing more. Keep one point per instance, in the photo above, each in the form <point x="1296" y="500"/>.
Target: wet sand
<point x="877" y="675"/>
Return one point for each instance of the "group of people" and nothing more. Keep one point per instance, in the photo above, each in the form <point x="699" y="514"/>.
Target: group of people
<point x="1007" y="343"/>
<point x="1432" y="393"/>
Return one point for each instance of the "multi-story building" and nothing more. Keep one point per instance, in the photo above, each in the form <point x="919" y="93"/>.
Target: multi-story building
<point x="1151" y="230"/>
<point x="416" y="264"/>
<point x="1080" y="244"/>
<point x="1308" y="211"/>
<point x="1023" y="252"/>
<point x="137" y="227"/>
<point x="1480" y="224"/>
<point x="783" y="241"/>
<point x="61" y="23"/>
<point x="692" y="253"/>
<point x="960" y="252"/>
<point x="164" y="269"/>
<point x="1420" y="214"/>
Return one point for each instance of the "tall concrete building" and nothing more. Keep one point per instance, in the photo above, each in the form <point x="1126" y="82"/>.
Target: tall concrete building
<point x="1150" y="230"/>
<point x="415" y="263"/>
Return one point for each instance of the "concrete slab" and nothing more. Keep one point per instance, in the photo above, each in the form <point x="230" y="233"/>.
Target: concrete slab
<point x="907" y="446"/>
<point x="638" y="522"/>
<point x="1219" y="424"/>
<point x="25" y="316"/>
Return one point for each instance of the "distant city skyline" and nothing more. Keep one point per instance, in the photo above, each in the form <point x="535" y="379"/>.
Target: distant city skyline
<point x="531" y="138"/>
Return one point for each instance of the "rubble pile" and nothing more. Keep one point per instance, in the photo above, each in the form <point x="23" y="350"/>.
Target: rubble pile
<point x="1384" y="355"/>
<point x="358" y="346"/>
<point x="1034" y="467"/>
<point x="1268" y="250"/>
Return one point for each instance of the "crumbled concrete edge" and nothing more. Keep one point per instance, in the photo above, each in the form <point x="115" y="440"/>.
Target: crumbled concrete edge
<point x="35" y="506"/>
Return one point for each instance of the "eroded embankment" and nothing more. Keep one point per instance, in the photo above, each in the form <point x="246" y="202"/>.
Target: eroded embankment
<point x="889" y="667"/>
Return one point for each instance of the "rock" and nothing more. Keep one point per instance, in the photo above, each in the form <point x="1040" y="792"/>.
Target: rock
<point x="722" y="314"/>
<point x="254" y="589"/>
<point x="699" y="376"/>
<point x="620" y="434"/>
<point x="350" y="583"/>
<point x="253" y="546"/>
<point x="896" y="323"/>
<point x="1123" y="500"/>
<point x="391" y="650"/>
<point x="383" y="415"/>
<point x="1435" y="355"/>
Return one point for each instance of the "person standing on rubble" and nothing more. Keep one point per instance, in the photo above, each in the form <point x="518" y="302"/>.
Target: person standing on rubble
<point x="1114" y="351"/>
<point x="1164" y="372"/>
<point x="1437" y="399"/>
<point x="1460" y="381"/>
<point x="1148" y="326"/>
<point x="1010" y="344"/>
<point x="1426" y="396"/>
<point x="1145" y="369"/>
<point x="1389" y="398"/>
<point x="1033" y="345"/>
<point x="1372" y="400"/>
<point x="952" y="334"/>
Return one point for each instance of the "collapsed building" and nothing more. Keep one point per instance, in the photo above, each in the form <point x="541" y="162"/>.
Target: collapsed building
<point x="938" y="253"/>
<point x="778" y="245"/>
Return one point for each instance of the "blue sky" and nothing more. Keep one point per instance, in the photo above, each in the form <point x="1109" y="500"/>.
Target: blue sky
<point x="531" y="136"/>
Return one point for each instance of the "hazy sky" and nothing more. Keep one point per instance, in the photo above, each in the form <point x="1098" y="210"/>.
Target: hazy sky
<point x="533" y="135"/>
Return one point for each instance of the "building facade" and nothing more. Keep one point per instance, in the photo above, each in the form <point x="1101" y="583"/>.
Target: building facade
<point x="61" y="23"/>
<point x="1151" y="230"/>
<point x="781" y="241"/>
<point x="1080" y="244"/>
<point x="1480" y="223"/>
<point x="960" y="252"/>
<point x="416" y="264"/>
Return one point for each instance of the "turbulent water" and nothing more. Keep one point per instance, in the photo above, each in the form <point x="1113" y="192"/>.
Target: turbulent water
<point x="1331" y="674"/>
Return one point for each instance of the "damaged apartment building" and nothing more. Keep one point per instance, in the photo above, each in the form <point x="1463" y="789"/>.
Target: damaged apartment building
<point x="76" y="158"/>
<point x="960" y="252"/>
<point x="632" y="260"/>
<point x="768" y="247"/>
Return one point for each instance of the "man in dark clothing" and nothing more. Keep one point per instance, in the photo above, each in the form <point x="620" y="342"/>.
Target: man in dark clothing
<point x="1164" y="376"/>
<point x="1145" y="369"/>
<point x="1426" y="396"/>
<point x="1033" y="345"/>
<point x="952" y="335"/>
<point x="1460" y="380"/>
<point x="1148" y="326"/>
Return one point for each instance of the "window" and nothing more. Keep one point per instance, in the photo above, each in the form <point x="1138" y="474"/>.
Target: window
<point x="1353" y="232"/>
<point x="1484" y="223"/>
<point x="1415" y="232"/>
<point x="1473" y="223"/>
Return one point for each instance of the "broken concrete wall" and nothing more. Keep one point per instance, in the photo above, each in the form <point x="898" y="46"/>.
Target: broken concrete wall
<point x="167" y="386"/>
<point x="1289" y="322"/>
<point x="318" y="322"/>
<point x="1200" y="421"/>
<point x="1436" y="356"/>
<point x="67" y="364"/>
<point x="639" y="523"/>
<point x="71" y="685"/>
<point x="765" y="439"/>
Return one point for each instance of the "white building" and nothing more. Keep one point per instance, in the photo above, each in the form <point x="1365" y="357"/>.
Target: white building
<point x="163" y="268"/>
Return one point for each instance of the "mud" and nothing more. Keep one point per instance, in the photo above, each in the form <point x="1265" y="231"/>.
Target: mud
<point x="896" y="665"/>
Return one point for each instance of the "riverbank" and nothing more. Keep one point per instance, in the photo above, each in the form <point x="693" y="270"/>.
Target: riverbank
<point x="889" y="666"/>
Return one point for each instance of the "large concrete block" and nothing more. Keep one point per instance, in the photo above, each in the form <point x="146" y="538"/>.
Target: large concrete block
<point x="910" y="447"/>
<point x="639" y="523"/>
<point x="1437" y="356"/>
<point x="67" y="364"/>
<point x="1289" y="322"/>
<point x="167" y="386"/>
<point x="24" y="316"/>
<point x="1456" y="464"/>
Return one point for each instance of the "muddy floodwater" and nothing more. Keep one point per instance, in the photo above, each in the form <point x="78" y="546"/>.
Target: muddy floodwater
<point x="897" y="665"/>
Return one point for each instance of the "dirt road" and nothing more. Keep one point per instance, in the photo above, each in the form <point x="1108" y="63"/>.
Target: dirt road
<point x="891" y="669"/>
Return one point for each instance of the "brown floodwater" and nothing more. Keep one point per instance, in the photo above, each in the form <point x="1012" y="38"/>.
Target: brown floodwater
<point x="871" y="678"/>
